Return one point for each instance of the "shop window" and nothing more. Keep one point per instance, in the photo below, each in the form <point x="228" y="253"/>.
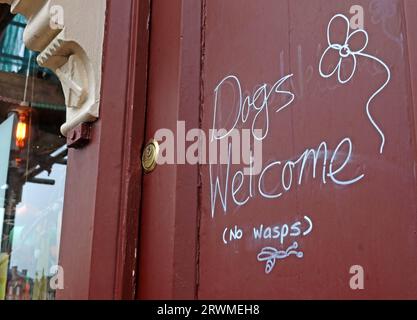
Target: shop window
<point x="33" y="158"/>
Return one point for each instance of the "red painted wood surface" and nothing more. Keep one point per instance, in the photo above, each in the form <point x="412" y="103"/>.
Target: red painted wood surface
<point x="168" y="230"/>
<point x="372" y="223"/>
<point x="101" y="211"/>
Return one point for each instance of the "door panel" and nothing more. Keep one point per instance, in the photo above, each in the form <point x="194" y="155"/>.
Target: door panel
<point x="365" y="213"/>
<point x="335" y="194"/>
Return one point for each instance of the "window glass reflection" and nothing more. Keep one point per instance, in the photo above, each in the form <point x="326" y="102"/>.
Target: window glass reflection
<point x="33" y="159"/>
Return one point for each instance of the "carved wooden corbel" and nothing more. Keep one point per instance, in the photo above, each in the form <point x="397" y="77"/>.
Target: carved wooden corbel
<point x="68" y="34"/>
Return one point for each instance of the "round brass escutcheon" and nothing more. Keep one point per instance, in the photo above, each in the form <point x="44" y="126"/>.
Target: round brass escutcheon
<point x="150" y="156"/>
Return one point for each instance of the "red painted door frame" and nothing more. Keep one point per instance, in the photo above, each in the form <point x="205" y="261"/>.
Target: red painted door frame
<point x="100" y="230"/>
<point x="103" y="187"/>
<point x="168" y="254"/>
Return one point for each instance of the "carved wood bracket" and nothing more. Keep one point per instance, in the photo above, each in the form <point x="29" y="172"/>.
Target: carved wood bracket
<point x="68" y="34"/>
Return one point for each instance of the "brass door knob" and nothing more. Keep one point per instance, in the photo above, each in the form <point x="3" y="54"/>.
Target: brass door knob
<point x="150" y="156"/>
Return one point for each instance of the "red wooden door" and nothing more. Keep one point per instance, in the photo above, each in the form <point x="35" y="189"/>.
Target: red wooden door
<point x="336" y="189"/>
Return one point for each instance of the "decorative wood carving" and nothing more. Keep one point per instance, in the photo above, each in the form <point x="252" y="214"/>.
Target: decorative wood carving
<point x="68" y="34"/>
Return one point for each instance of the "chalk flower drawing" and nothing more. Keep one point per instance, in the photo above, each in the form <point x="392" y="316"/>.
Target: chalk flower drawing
<point x="271" y="255"/>
<point x="346" y="52"/>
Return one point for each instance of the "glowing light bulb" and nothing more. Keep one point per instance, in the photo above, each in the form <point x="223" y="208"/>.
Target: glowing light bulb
<point x="21" y="132"/>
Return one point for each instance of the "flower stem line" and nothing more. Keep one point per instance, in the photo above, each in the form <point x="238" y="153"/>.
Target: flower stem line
<point x="368" y="112"/>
